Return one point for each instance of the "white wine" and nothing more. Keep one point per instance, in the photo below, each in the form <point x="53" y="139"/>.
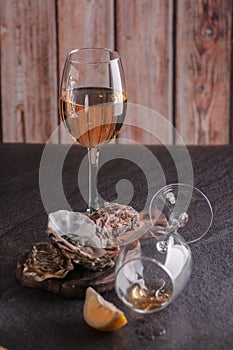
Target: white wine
<point x="146" y="299"/>
<point x="93" y="116"/>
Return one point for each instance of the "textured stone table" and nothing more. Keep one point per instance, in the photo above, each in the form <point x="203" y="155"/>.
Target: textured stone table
<point x="201" y="318"/>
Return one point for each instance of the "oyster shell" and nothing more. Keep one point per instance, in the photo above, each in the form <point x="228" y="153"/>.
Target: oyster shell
<point x="77" y="235"/>
<point x="75" y="228"/>
<point x="46" y="261"/>
<point x="113" y="221"/>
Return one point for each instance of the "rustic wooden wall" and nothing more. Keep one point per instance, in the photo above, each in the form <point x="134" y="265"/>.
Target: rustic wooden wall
<point x="203" y="70"/>
<point x="177" y="56"/>
<point x="28" y="70"/>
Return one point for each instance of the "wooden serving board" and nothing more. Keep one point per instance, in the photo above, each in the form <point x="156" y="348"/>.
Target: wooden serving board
<point x="74" y="284"/>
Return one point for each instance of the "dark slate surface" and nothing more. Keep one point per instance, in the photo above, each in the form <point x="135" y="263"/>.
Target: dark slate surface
<point x="201" y="318"/>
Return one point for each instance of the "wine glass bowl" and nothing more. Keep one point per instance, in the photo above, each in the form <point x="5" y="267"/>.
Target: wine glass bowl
<point x="181" y="208"/>
<point x="151" y="272"/>
<point x="93" y="104"/>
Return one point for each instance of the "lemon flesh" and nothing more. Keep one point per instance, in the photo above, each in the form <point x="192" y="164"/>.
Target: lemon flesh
<point x="101" y="314"/>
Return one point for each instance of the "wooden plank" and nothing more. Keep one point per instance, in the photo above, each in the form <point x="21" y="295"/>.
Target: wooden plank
<point x="203" y="46"/>
<point x="28" y="70"/>
<point x="144" y="40"/>
<point x="83" y="23"/>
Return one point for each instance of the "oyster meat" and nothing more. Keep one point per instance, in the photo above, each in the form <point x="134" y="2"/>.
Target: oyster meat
<point x="76" y="233"/>
<point x="46" y="261"/>
<point x="113" y="220"/>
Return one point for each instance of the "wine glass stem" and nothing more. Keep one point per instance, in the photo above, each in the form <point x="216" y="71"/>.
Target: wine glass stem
<point x="93" y="162"/>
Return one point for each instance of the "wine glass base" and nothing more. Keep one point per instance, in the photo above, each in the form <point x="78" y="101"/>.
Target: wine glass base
<point x="90" y="211"/>
<point x="186" y="210"/>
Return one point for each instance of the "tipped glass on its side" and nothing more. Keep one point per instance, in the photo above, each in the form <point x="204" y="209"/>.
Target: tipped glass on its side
<point x="151" y="272"/>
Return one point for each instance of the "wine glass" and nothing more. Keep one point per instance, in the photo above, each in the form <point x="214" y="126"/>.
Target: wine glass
<point x="93" y="104"/>
<point x="181" y="208"/>
<point x="152" y="271"/>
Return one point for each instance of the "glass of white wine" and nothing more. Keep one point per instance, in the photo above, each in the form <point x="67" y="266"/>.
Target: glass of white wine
<point x="152" y="270"/>
<point x="93" y="104"/>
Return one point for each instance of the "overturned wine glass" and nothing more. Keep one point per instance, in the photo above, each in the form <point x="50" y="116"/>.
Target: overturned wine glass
<point x="181" y="208"/>
<point x="151" y="271"/>
<point x="149" y="278"/>
<point x="155" y="263"/>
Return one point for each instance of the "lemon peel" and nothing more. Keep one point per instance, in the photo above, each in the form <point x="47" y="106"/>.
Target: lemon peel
<point x="100" y="314"/>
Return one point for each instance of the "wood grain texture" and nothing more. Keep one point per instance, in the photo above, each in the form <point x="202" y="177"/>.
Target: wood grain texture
<point x="33" y="55"/>
<point x="28" y="70"/>
<point x="144" y="40"/>
<point x="203" y="46"/>
<point x="83" y="23"/>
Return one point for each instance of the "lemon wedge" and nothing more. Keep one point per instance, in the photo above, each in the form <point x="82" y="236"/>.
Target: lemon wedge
<point x="101" y="314"/>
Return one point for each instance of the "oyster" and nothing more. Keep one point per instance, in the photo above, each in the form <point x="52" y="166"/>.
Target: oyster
<point x="76" y="228"/>
<point x="113" y="220"/>
<point x="77" y="235"/>
<point x="46" y="261"/>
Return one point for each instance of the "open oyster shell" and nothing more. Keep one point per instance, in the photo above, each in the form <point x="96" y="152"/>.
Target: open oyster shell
<point x="46" y="261"/>
<point x="114" y="222"/>
<point x="76" y="234"/>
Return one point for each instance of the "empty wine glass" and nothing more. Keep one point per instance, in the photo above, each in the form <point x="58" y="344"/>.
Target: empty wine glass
<point x="152" y="271"/>
<point x="93" y="104"/>
<point x="181" y="208"/>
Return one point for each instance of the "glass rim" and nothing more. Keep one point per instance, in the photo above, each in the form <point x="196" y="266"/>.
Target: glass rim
<point x="115" y="54"/>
